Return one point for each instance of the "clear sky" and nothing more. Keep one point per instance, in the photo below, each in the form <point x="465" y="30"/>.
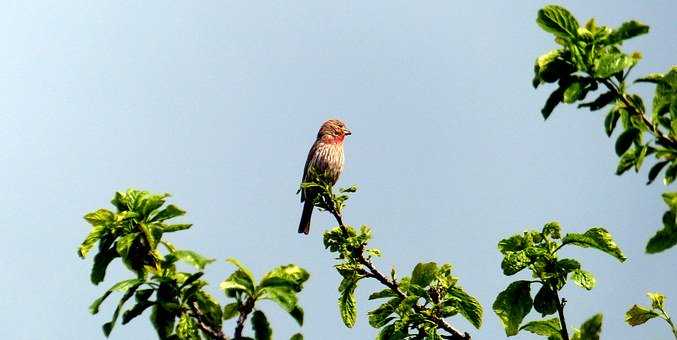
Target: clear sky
<point x="218" y="103"/>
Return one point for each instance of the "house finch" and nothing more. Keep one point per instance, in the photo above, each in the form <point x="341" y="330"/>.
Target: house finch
<point x="324" y="159"/>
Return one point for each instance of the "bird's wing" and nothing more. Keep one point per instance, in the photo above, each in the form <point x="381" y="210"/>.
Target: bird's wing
<point x="305" y="168"/>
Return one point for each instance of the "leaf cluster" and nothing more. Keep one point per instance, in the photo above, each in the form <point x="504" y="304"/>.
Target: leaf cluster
<point x="181" y="308"/>
<point x="281" y="285"/>
<point x="589" y="59"/>
<point x="416" y="305"/>
<point x="537" y="251"/>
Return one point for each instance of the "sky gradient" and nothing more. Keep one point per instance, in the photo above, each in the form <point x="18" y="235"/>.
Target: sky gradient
<point x="218" y="102"/>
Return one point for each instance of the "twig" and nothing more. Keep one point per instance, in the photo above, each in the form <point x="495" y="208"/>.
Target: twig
<point x="216" y="334"/>
<point x="394" y="286"/>
<point x="244" y="312"/>
<point x="653" y="127"/>
<point x="560" y="311"/>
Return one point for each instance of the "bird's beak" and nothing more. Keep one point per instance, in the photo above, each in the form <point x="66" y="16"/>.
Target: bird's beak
<point x="347" y="132"/>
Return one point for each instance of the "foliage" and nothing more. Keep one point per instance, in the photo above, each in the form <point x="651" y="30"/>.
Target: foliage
<point x="638" y="314"/>
<point x="416" y="306"/>
<point x="590" y="60"/>
<point x="181" y="308"/>
<point x="537" y="251"/>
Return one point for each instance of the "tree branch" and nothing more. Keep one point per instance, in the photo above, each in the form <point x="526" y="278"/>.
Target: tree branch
<point x="639" y="113"/>
<point x="216" y="334"/>
<point x="244" y="312"/>
<point x="394" y="286"/>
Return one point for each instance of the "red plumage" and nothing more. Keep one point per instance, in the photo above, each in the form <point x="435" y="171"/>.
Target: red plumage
<point x="325" y="158"/>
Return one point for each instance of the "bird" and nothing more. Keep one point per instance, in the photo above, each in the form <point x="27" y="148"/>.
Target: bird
<point x="324" y="158"/>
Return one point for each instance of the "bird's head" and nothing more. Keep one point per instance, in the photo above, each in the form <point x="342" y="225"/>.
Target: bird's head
<point x="333" y="130"/>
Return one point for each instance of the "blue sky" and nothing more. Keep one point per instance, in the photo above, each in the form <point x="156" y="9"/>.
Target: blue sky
<point x="218" y="103"/>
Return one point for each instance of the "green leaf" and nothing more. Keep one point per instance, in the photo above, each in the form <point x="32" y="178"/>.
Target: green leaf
<point x="609" y="64"/>
<point x="626" y="162"/>
<point x="626" y="139"/>
<point x="91" y="239"/>
<point x="423" y="274"/>
<point x="545" y="301"/>
<point x="165" y="311"/>
<point x="108" y="326"/>
<point x="655" y="170"/>
<point x="231" y="310"/>
<point x="241" y="267"/>
<point x="283" y="296"/>
<point x="118" y="287"/>
<point x="152" y="235"/>
<point x="558" y="21"/>
<point x="665" y="238"/>
<point x="135" y="311"/>
<point x="168" y="212"/>
<point x="514" y="262"/>
<point x="175" y="227"/>
<point x="597" y="238"/>
<point x="629" y="29"/>
<point x="512" y="305"/>
<point x="380" y="316"/>
<point x="653" y="78"/>
<point x="670" y="198"/>
<point x="546" y="327"/>
<point x="187" y="329"/>
<point x="512" y="244"/>
<point x="670" y="174"/>
<point x="390" y="333"/>
<point x="567" y="265"/>
<point x="231" y="285"/>
<point x="573" y="92"/>
<point x="101" y="217"/>
<point x="552" y="229"/>
<point x="241" y="279"/>
<point x="291" y="276"/>
<point x="213" y="314"/>
<point x="638" y="315"/>
<point x="124" y="243"/>
<point x="347" y="303"/>
<point x="591" y="328"/>
<point x="600" y="102"/>
<point x="297" y="313"/>
<point x="261" y="327"/>
<point x="297" y="336"/>
<point x="192" y="257"/>
<point x="551" y="67"/>
<point x="467" y="305"/>
<point x="385" y="293"/>
<point x="101" y="262"/>
<point x="555" y="98"/>
<point x="657" y="300"/>
<point x="583" y="279"/>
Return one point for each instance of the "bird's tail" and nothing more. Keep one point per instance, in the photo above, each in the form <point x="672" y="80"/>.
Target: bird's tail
<point x="304" y="225"/>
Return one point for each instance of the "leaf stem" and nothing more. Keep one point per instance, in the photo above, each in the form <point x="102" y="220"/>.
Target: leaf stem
<point x="667" y="319"/>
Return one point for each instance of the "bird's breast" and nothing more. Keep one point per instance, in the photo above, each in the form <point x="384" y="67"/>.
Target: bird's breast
<point x="328" y="159"/>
